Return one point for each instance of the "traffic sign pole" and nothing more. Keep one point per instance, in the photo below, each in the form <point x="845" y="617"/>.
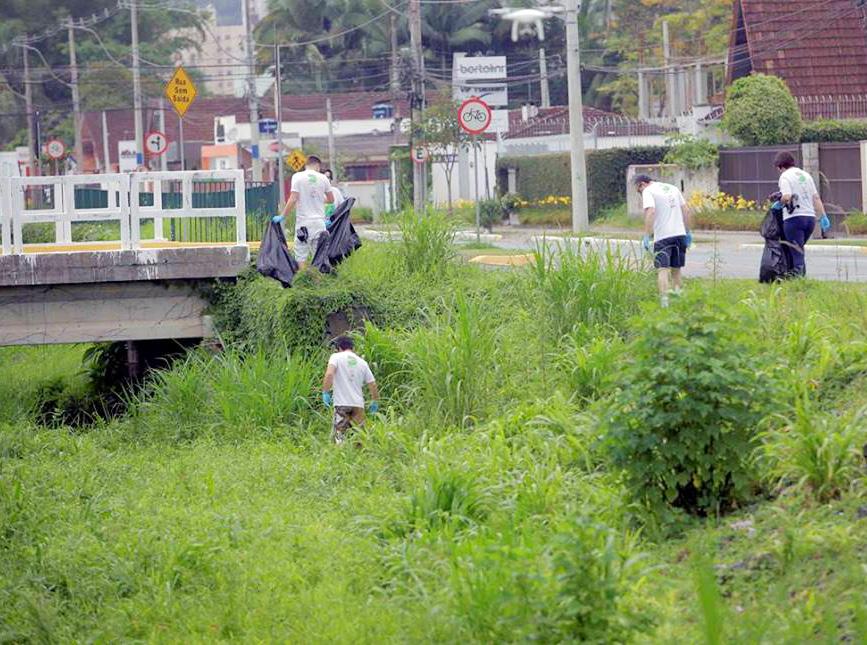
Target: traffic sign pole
<point x="476" y="181"/>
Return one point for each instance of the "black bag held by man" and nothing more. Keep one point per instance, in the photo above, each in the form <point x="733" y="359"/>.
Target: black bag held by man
<point x="776" y="263"/>
<point x="338" y="243"/>
<point x="274" y="260"/>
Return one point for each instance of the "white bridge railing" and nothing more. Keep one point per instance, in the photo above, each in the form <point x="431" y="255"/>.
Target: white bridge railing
<point x="31" y="200"/>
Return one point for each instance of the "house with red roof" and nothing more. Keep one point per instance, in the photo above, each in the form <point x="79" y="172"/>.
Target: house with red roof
<point x="818" y="47"/>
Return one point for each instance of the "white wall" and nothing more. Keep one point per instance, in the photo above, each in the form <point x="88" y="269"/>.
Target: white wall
<point x="369" y="194"/>
<point x="306" y="129"/>
<point x="562" y="143"/>
<point x="487" y="161"/>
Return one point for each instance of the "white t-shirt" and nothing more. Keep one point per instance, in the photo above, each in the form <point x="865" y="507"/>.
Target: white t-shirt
<point x="351" y="373"/>
<point x="338" y="196"/>
<point x="668" y="202"/>
<point x="796" y="182"/>
<point x="312" y="187"/>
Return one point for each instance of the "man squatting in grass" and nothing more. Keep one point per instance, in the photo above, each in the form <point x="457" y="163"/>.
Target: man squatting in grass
<point x="311" y="190"/>
<point x="667" y="217"/>
<point x="347" y="373"/>
<point x="803" y="205"/>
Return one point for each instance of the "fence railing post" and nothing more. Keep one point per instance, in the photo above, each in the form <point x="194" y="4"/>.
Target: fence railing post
<point x="6" y="216"/>
<point x="240" y="209"/>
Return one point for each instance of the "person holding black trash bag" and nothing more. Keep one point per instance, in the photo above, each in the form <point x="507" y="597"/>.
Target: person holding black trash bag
<point x="311" y="190"/>
<point x="342" y="385"/>
<point x="801" y="205"/>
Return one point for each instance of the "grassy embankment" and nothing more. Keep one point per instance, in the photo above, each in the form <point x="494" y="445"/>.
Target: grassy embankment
<point x="500" y="496"/>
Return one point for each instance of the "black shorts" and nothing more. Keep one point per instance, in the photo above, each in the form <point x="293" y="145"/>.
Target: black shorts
<point x="670" y="253"/>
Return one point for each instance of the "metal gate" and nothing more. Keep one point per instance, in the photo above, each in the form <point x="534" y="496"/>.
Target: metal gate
<point x="840" y="168"/>
<point x="750" y="172"/>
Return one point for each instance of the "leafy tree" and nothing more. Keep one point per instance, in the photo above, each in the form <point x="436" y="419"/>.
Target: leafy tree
<point x="760" y="110"/>
<point x="691" y="152"/>
<point x="443" y="136"/>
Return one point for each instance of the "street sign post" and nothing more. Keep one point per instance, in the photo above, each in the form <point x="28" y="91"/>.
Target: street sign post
<point x="420" y="154"/>
<point x="181" y="92"/>
<point x="296" y="160"/>
<point x="156" y="143"/>
<point x="474" y="116"/>
<point x="55" y="149"/>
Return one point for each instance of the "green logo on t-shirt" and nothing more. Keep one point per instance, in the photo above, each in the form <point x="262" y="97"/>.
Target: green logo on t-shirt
<point x="312" y="178"/>
<point x="802" y="178"/>
<point x="352" y="361"/>
<point x="666" y="188"/>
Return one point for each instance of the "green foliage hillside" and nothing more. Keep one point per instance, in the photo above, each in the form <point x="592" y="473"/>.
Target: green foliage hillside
<point x="557" y="460"/>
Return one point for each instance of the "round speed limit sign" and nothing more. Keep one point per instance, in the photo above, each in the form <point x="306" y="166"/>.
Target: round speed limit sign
<point x="474" y="115"/>
<point x="55" y="148"/>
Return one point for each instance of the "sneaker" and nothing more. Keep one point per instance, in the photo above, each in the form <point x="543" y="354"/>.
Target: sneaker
<point x="663" y="300"/>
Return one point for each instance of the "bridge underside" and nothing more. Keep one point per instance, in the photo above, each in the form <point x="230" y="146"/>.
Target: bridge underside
<point x="110" y="296"/>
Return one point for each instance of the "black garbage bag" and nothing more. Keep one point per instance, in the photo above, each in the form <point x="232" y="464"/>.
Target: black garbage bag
<point x="274" y="260"/>
<point x="339" y="241"/>
<point x="776" y="262"/>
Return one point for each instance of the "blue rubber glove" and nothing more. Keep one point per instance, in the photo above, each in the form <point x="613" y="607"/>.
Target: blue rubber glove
<point x="373" y="407"/>
<point x="278" y="219"/>
<point x="326" y="399"/>
<point x="825" y="222"/>
<point x="777" y="206"/>
<point x="327" y="223"/>
<point x="645" y="242"/>
<point x="688" y="239"/>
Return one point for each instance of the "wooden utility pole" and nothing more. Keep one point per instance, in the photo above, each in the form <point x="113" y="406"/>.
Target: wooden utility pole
<point x="78" y="149"/>
<point x="580" y="218"/>
<point x="31" y="118"/>
<point x="419" y="173"/>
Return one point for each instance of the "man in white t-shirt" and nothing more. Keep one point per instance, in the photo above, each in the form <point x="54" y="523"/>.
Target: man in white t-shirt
<point x="311" y="190"/>
<point x="347" y="373"/>
<point x="666" y="217"/>
<point x="802" y="205"/>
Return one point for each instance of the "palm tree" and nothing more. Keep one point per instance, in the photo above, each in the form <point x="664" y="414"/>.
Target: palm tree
<point x="450" y="27"/>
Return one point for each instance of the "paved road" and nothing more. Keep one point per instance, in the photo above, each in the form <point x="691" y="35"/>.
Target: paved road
<point x="730" y="255"/>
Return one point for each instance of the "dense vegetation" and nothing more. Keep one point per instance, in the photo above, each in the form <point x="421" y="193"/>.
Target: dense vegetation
<point x="557" y="460"/>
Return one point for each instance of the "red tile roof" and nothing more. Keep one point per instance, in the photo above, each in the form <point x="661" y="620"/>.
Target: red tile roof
<point x="199" y="119"/>
<point x="818" y="47"/>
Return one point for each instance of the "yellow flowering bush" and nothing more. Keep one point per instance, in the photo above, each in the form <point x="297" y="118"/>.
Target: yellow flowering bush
<point x="546" y="202"/>
<point x="721" y="202"/>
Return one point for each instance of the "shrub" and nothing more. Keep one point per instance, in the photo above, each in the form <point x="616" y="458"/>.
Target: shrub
<point x="427" y="243"/>
<point x="568" y="586"/>
<point x="831" y="130"/>
<point x="593" y="287"/>
<point x="450" y="364"/>
<point x="761" y="111"/>
<point x="816" y="450"/>
<point x="490" y="213"/>
<point x="681" y="424"/>
<point x="691" y="152"/>
<point x="544" y="175"/>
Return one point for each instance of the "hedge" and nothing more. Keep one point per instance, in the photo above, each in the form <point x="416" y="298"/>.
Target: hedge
<point x="543" y="175"/>
<point x="833" y="131"/>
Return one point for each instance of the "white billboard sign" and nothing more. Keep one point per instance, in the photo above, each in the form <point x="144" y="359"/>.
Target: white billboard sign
<point x="126" y="156"/>
<point x="479" y="68"/>
<point x="499" y="121"/>
<point x="494" y="94"/>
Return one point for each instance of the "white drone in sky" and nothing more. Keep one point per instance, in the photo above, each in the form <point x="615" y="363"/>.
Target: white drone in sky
<point x="524" y="20"/>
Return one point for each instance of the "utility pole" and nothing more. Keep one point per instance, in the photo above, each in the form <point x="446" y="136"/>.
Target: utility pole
<point x="395" y="75"/>
<point x="419" y="170"/>
<point x="136" y="85"/>
<point x="252" y="98"/>
<point x="580" y="219"/>
<point x="28" y="107"/>
<point x="332" y="155"/>
<point x="278" y="113"/>
<point x="76" y="101"/>
<point x="543" y="78"/>
<point x="105" y="148"/>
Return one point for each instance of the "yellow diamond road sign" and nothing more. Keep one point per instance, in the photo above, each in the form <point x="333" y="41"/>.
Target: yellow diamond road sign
<point x="296" y="160"/>
<point x="181" y="91"/>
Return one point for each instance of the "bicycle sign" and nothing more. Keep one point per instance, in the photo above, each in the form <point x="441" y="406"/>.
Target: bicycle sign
<point x="474" y="115"/>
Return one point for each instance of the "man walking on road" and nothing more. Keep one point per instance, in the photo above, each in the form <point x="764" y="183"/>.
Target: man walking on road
<point x="667" y="218"/>
<point x="346" y="374"/>
<point x="311" y="190"/>
<point x="801" y="206"/>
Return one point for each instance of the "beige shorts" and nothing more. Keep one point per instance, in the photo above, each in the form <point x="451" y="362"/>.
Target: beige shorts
<point x="305" y="250"/>
<point x="345" y="418"/>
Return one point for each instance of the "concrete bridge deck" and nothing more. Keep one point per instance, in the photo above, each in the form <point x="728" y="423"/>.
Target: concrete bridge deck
<point x="129" y="289"/>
